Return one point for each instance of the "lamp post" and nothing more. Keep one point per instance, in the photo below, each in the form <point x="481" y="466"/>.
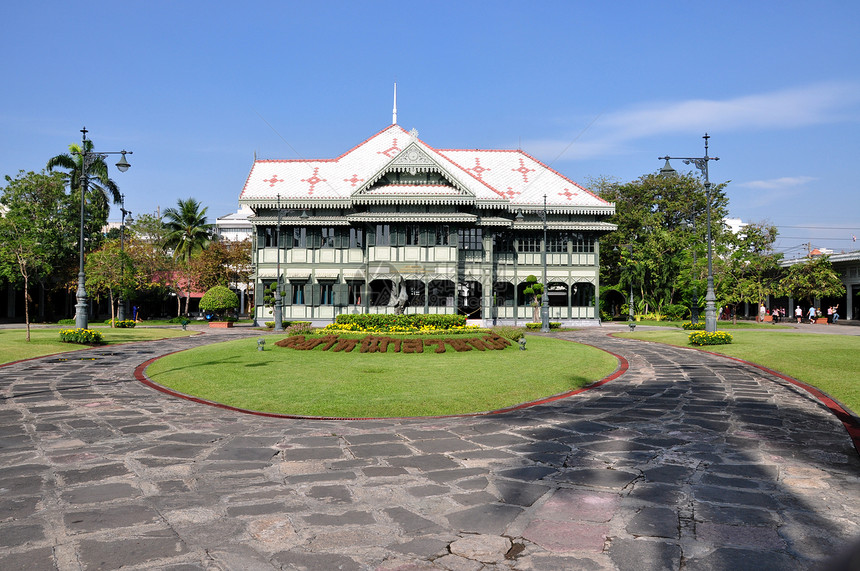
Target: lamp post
<point x="277" y="311"/>
<point x="121" y="302"/>
<point x="544" y="300"/>
<point x="88" y="158"/>
<point x="701" y="163"/>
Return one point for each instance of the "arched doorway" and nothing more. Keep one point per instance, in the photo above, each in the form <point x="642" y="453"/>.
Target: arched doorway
<point x="469" y="299"/>
<point x="380" y="292"/>
<point x="440" y="293"/>
<point x="557" y="292"/>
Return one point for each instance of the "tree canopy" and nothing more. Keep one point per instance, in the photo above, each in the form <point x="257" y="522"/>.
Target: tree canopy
<point x="32" y="229"/>
<point x="811" y="279"/>
<point x="662" y="224"/>
<point x="188" y="231"/>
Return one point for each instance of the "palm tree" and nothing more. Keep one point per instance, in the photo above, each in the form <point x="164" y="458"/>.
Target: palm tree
<point x="101" y="187"/>
<point x="188" y="232"/>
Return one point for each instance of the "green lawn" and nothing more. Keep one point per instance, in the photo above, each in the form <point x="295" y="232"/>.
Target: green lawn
<point x="325" y="383"/>
<point x="721" y="325"/>
<point x="829" y="362"/>
<point x="14" y="345"/>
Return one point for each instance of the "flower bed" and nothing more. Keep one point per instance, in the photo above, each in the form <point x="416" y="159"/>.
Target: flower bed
<point x="392" y="323"/>
<point x="382" y="344"/>
<point x="121" y="323"/>
<point x="704" y="338"/>
<point x="81" y="336"/>
<point x="690" y="326"/>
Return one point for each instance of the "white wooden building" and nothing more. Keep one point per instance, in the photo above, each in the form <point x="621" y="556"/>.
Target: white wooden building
<point x="459" y="229"/>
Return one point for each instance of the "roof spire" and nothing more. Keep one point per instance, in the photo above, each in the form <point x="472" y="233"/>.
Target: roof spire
<point x="394" y="112"/>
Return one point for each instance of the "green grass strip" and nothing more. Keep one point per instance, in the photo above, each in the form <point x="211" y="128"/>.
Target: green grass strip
<point x="828" y="362"/>
<point x="324" y="383"/>
<point x="14" y="345"/>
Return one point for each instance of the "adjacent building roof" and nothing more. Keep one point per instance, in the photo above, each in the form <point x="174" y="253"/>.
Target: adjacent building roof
<point x="378" y="171"/>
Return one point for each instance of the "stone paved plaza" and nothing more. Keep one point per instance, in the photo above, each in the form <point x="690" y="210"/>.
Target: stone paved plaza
<point x="685" y="461"/>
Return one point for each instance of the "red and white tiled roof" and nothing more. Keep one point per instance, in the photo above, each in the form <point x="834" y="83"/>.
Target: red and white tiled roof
<point x="503" y="179"/>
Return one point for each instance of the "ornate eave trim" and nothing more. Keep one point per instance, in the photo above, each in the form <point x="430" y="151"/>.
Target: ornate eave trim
<point x="406" y="199"/>
<point x="494" y="221"/>
<point x="551" y="225"/>
<point x="299" y="221"/>
<point x="292" y="203"/>
<point x="412" y="217"/>
<point x="576" y="210"/>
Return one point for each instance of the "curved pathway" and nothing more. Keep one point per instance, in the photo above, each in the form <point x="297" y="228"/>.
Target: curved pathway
<point x="686" y="461"/>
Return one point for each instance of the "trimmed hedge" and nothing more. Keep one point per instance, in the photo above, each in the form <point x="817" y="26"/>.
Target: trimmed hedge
<point x="382" y="321"/>
<point x="219" y="299"/>
<point x="552" y="325"/>
<point x="406" y="324"/>
<point x="285" y="324"/>
<point x="704" y="338"/>
<point x="81" y="336"/>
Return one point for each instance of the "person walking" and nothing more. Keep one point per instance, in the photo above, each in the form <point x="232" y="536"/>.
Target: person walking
<point x="811" y="314"/>
<point x="761" y="313"/>
<point x="798" y="313"/>
<point x="835" y="313"/>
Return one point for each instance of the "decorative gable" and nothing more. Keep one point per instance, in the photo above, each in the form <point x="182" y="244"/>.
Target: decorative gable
<point x="413" y="173"/>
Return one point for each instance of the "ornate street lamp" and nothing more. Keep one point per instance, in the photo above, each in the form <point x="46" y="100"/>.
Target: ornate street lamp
<point x="701" y="163"/>
<point x="121" y="302"/>
<point x="544" y="301"/>
<point x="277" y="311"/>
<point x="88" y="158"/>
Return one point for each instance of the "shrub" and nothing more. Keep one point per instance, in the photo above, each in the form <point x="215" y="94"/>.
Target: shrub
<point x="298" y="328"/>
<point x="285" y="324"/>
<point x="66" y="321"/>
<point x="121" y="323"/>
<point x="552" y="325"/>
<point x="508" y="332"/>
<point x="391" y="323"/>
<point x="676" y="311"/>
<point x="218" y="300"/>
<point x="690" y="326"/>
<point x="704" y="338"/>
<point x="81" y="336"/>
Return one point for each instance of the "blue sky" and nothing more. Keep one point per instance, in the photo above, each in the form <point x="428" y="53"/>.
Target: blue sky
<point x="594" y="89"/>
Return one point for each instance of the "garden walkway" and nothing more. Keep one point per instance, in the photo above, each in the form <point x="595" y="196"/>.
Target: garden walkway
<point x="685" y="461"/>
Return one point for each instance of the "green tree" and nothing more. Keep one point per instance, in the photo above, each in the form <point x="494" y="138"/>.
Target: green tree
<point x="188" y="231"/>
<point x="100" y="183"/>
<point x="664" y="220"/>
<point x="110" y="270"/>
<point x="31" y="231"/>
<point x="534" y="289"/>
<point x="222" y="263"/>
<point x="218" y="300"/>
<point x="811" y="279"/>
<point x="750" y="271"/>
<point x="101" y="190"/>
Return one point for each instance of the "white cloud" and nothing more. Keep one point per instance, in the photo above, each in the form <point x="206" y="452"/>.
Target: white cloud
<point x="809" y="105"/>
<point x="612" y="133"/>
<point x="778" y="183"/>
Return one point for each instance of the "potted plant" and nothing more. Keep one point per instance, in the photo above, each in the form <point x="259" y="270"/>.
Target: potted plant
<point x="217" y="301"/>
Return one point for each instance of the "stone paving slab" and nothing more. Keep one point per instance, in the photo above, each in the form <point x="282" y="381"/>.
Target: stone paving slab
<point x="687" y="461"/>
